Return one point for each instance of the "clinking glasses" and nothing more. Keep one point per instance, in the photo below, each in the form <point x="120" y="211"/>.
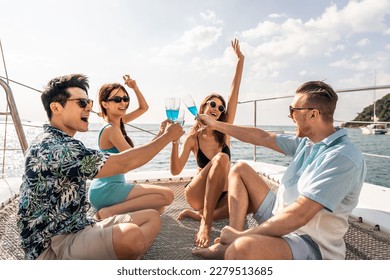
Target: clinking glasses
<point x="82" y="102"/>
<point x="118" y="99"/>
<point x="212" y="104"/>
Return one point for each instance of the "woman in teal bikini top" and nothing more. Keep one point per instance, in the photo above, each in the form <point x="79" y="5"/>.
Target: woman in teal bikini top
<point x="112" y="195"/>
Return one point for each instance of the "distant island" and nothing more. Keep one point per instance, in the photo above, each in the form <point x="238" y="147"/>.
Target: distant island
<point x="382" y="108"/>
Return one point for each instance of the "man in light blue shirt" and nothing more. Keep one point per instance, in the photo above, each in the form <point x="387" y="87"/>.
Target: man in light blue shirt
<point x="308" y="217"/>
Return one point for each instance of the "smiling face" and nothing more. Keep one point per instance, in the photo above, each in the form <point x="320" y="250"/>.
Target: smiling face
<point x="72" y="117"/>
<point x="215" y="106"/>
<point x="114" y="100"/>
<point x="117" y="102"/>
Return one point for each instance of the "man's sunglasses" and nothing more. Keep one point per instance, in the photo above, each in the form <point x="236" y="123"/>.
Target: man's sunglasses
<point x="82" y="102"/>
<point x="292" y="109"/>
<point x="212" y="104"/>
<point x="118" y="99"/>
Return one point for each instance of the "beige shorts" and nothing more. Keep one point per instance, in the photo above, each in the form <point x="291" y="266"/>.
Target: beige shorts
<point x="92" y="243"/>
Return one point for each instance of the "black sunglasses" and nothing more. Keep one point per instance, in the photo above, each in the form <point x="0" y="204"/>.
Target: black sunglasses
<point x="82" y="102"/>
<point x="292" y="109"/>
<point x="212" y="104"/>
<point x="118" y="99"/>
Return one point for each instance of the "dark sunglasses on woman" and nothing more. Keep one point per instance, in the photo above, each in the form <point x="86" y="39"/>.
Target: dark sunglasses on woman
<point x="118" y="99"/>
<point x="212" y="104"/>
<point x="82" y="102"/>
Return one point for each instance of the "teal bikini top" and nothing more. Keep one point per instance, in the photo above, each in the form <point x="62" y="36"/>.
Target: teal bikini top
<point x="112" y="150"/>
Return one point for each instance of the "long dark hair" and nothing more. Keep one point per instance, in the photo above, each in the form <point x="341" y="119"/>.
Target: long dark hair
<point x="219" y="136"/>
<point x="104" y="94"/>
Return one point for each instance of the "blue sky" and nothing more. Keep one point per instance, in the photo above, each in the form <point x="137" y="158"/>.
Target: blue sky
<point x="174" y="48"/>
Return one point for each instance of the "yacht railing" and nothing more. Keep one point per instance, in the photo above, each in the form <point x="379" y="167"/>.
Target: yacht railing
<point x="255" y="101"/>
<point x="12" y="110"/>
<point x="24" y="145"/>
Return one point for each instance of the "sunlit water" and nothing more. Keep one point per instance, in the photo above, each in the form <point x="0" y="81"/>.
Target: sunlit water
<point x="378" y="168"/>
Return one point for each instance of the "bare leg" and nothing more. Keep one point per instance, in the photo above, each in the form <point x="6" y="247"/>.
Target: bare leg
<point x="246" y="193"/>
<point x="132" y="240"/>
<point x="142" y="196"/>
<point x="221" y="212"/>
<point x="203" y="194"/>
<point x="215" y="184"/>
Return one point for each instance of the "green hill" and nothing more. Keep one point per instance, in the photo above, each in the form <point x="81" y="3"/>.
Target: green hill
<point x="382" y="113"/>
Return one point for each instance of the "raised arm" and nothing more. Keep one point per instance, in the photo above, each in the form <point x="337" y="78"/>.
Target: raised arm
<point x="235" y="86"/>
<point x="142" y="104"/>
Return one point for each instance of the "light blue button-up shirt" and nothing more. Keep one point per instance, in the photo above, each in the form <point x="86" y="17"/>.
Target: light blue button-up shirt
<point x="330" y="172"/>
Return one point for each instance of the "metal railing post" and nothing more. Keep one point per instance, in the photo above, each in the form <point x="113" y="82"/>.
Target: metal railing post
<point x="15" y="116"/>
<point x="255" y="125"/>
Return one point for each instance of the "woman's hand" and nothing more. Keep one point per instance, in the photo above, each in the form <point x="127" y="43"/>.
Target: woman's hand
<point x="236" y="47"/>
<point x="130" y="82"/>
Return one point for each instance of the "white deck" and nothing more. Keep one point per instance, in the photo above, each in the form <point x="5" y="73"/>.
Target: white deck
<point x="373" y="206"/>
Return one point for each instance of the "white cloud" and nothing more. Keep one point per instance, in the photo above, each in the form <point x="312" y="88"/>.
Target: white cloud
<point x="196" y="39"/>
<point x="211" y="16"/>
<point x="326" y="35"/>
<point x="303" y="73"/>
<point x="277" y="15"/>
<point x="263" y="29"/>
<point x="322" y="32"/>
<point x="364" y="42"/>
<point x="351" y="65"/>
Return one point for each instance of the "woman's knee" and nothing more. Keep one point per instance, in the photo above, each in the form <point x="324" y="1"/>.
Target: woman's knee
<point x="221" y="159"/>
<point x="239" y="168"/>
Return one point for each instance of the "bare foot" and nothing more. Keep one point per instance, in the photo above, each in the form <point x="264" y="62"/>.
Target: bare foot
<point x="202" y="238"/>
<point x="188" y="213"/>
<point x="216" y="252"/>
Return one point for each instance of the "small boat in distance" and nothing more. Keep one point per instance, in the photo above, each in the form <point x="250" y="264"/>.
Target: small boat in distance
<point x="375" y="128"/>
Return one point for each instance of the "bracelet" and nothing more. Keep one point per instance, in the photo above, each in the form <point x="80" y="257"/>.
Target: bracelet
<point x="175" y="142"/>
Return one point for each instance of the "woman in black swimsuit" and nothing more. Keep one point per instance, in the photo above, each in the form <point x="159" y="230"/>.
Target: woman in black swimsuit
<point x="206" y="192"/>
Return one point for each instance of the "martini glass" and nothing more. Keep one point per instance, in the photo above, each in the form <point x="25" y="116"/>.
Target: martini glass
<point x="191" y="106"/>
<point x="180" y="118"/>
<point x="172" y="107"/>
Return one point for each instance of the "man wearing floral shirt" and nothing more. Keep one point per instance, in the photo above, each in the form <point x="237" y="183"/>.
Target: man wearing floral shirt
<point x="52" y="216"/>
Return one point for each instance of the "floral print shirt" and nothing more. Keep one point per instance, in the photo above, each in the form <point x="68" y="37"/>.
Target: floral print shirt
<point x="53" y="197"/>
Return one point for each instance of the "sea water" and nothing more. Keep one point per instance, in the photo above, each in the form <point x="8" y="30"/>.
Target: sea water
<point x="378" y="168"/>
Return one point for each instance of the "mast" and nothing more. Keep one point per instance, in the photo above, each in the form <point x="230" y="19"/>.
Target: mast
<point x="375" y="97"/>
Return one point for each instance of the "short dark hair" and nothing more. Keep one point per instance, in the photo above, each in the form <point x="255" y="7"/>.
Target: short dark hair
<point x="56" y="90"/>
<point x="321" y="96"/>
